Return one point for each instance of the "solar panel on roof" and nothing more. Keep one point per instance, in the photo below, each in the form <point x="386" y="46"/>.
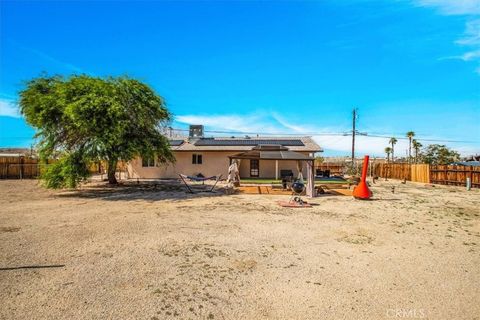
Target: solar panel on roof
<point x="247" y="142"/>
<point x="284" y="155"/>
<point x="175" y="143"/>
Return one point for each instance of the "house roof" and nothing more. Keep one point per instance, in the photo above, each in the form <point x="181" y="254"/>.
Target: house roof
<point x="304" y="144"/>
<point x="12" y="155"/>
<point x="467" y="163"/>
<point x="16" y="152"/>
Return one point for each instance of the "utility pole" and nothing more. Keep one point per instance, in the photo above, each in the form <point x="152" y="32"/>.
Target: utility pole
<point x="354" y="118"/>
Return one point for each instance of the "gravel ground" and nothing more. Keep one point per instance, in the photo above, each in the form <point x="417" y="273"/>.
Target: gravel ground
<point x="145" y="252"/>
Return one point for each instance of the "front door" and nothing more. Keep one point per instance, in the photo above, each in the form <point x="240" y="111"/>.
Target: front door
<point x="254" y="168"/>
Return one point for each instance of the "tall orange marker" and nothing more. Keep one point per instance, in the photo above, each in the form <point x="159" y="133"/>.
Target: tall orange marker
<point x="362" y="191"/>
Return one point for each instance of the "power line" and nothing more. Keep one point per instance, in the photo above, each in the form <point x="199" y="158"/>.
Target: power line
<point x="344" y="134"/>
<point x="233" y="132"/>
<point x="420" y="139"/>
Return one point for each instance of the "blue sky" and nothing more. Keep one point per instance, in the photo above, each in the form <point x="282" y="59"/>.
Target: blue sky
<point x="274" y="67"/>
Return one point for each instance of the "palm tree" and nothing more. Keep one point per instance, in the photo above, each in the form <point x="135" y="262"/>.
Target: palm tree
<point x="410" y="135"/>
<point x="416" y="146"/>
<point x="388" y="150"/>
<point x="393" y="141"/>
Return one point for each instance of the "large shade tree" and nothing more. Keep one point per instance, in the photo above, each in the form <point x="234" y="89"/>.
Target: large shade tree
<point x="439" y="154"/>
<point x="83" y="119"/>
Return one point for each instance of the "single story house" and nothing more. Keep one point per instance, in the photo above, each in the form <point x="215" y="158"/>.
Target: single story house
<point x="212" y="156"/>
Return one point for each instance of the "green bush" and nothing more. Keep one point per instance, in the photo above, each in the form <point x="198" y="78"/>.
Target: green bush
<point x="67" y="172"/>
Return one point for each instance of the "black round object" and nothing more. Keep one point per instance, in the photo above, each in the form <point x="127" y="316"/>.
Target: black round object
<point x="298" y="187"/>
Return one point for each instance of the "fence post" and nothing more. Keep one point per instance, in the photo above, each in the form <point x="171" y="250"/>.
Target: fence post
<point x="446" y="175"/>
<point x="471" y="174"/>
<point x="21" y="168"/>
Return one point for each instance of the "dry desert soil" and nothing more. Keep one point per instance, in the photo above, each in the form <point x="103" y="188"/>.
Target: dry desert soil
<point x="156" y="252"/>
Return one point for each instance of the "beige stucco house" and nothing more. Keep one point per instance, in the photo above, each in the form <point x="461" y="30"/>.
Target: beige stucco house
<point x="211" y="157"/>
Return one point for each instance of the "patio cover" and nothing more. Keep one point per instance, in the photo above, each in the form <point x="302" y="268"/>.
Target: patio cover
<point x="272" y="155"/>
<point x="267" y="152"/>
<point x="272" y="152"/>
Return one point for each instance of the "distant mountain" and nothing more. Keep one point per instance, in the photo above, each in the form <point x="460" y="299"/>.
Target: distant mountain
<point x="15" y="151"/>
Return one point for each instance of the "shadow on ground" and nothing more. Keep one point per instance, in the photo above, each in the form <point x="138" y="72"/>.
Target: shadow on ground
<point x="150" y="191"/>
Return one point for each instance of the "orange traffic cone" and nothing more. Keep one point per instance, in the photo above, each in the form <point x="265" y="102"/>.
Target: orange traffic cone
<point x="362" y="191"/>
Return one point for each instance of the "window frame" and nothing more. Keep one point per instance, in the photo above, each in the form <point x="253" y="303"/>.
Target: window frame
<point x="149" y="161"/>
<point x="254" y="169"/>
<point x="197" y="158"/>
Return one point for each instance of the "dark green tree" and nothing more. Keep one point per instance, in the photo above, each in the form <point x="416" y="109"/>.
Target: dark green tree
<point x="319" y="160"/>
<point x="388" y="151"/>
<point x="439" y="154"/>
<point x="83" y="119"/>
<point x="416" y="147"/>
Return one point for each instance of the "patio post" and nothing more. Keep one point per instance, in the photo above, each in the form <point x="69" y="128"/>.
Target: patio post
<point x="276" y="169"/>
<point x="310" y="192"/>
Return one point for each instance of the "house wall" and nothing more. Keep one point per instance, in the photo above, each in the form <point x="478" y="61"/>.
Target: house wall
<point x="213" y="163"/>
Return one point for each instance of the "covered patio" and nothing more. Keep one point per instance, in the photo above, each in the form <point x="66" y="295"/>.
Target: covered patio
<point x="281" y="153"/>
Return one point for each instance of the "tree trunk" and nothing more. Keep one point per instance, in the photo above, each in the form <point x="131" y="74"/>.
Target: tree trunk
<point x="409" y="149"/>
<point x="112" y="167"/>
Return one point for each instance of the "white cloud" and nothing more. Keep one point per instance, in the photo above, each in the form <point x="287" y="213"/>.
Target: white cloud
<point x="284" y="123"/>
<point x="8" y="108"/>
<point x="472" y="55"/>
<point x="330" y="139"/>
<point x="240" y="123"/>
<point x="62" y="64"/>
<point x="466" y="150"/>
<point x="364" y="145"/>
<point x="471" y="37"/>
<point x="452" y="7"/>
<point x="266" y="123"/>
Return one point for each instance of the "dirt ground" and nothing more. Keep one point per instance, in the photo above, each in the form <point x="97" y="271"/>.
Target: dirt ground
<point x="145" y="252"/>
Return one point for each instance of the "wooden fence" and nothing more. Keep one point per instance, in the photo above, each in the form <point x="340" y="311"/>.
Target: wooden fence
<point x="29" y="168"/>
<point x="392" y="170"/>
<point x="420" y="173"/>
<point x="19" y="168"/>
<point x="455" y="175"/>
<point x="439" y="174"/>
<point x="335" y="168"/>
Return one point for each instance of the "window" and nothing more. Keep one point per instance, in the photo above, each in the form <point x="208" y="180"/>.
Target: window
<point x="197" y="159"/>
<point x="148" y="162"/>
<point x="254" y="168"/>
